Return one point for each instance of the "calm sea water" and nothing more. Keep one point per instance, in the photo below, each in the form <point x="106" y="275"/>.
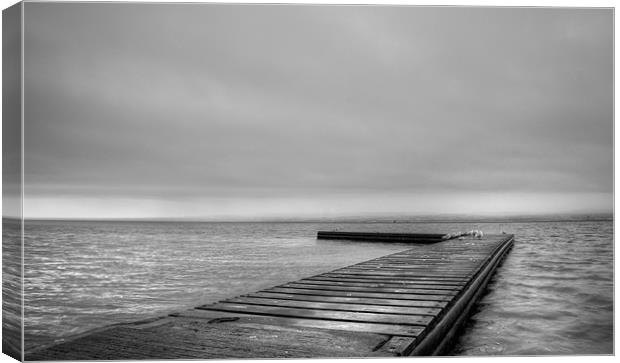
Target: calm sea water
<point x="11" y="288"/>
<point x="552" y="295"/>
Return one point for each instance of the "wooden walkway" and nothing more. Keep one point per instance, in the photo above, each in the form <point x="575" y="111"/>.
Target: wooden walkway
<point x="407" y="303"/>
<point x="383" y="237"/>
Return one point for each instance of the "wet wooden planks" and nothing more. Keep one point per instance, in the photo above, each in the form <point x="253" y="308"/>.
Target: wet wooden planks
<point x="410" y="302"/>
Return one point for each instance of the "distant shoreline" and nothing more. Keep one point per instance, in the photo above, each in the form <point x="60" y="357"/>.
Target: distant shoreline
<point x="356" y="220"/>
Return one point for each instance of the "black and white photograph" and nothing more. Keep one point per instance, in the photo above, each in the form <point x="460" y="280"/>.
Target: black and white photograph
<point x="234" y="181"/>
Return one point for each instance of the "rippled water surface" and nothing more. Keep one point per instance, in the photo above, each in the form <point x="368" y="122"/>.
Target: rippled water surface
<point x="552" y="295"/>
<point x="11" y="288"/>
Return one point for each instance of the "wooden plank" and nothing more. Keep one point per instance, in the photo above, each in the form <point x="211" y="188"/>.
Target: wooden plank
<point x="397" y="319"/>
<point x="418" y="276"/>
<point x="414" y="258"/>
<point x="391" y="290"/>
<point x="341" y="282"/>
<point x="349" y="299"/>
<point x="419" y="264"/>
<point x="412" y="265"/>
<point x="377" y="328"/>
<point x="362" y="294"/>
<point x="464" y="265"/>
<point x="444" y="251"/>
<point x="426" y="269"/>
<point x="397" y="346"/>
<point x="397" y="280"/>
<point x="336" y="306"/>
<point x="403" y="274"/>
<point x="461" y="256"/>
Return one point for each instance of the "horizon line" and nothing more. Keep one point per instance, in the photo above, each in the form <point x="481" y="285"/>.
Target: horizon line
<point x="446" y="218"/>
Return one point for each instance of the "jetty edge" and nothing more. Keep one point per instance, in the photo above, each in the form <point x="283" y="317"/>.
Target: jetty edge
<point x="385" y="237"/>
<point x="411" y="302"/>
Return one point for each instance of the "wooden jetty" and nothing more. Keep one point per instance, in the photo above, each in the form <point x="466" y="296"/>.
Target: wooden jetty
<point x="384" y="237"/>
<point x="407" y="303"/>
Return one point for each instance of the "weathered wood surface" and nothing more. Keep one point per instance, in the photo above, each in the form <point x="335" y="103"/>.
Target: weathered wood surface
<point x="383" y="237"/>
<point x="407" y="303"/>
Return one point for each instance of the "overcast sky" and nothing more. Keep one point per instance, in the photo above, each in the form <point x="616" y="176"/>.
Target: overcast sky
<point x="252" y="111"/>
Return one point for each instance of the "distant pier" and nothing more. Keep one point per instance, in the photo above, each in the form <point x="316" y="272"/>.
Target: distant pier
<point x="407" y="303"/>
<point x="383" y="237"/>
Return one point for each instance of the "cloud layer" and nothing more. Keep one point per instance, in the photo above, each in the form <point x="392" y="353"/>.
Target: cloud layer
<point x="261" y="110"/>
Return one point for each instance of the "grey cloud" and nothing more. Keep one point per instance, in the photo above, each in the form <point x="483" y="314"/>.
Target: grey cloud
<point x="239" y="100"/>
